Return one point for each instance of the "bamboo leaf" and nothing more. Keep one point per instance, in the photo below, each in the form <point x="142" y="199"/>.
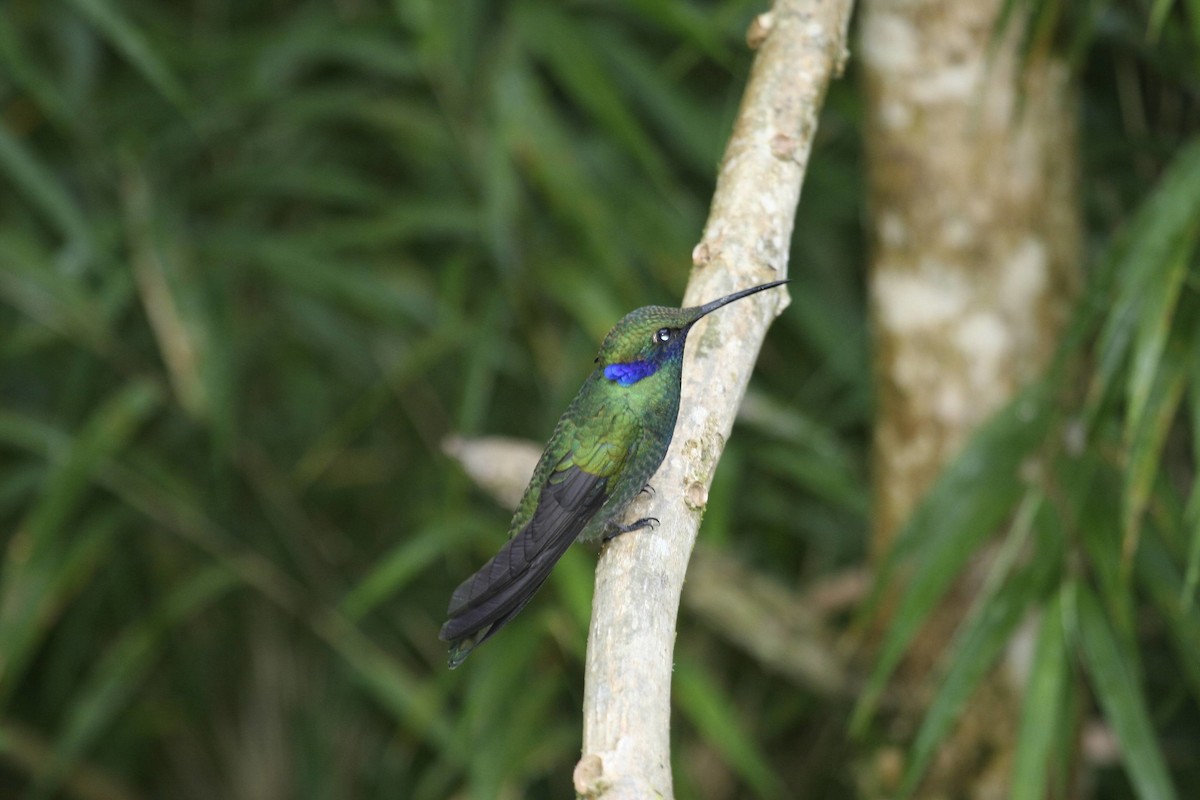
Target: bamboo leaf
<point x="1042" y="717"/>
<point x="1159" y="577"/>
<point x="1113" y="671"/>
<point x="1158" y="17"/>
<point x="120" y="672"/>
<point x="1142" y="262"/>
<point x="136" y="46"/>
<point x="1148" y="438"/>
<point x="397" y="568"/>
<point x="969" y="499"/>
<point x="705" y="705"/>
<point x="31" y="282"/>
<point x="1192" y="512"/>
<point x="43" y="190"/>
<point x="982" y="637"/>
<point x="37" y="597"/>
<point x="556" y="38"/>
<point x="1153" y="327"/>
<point x="661" y="100"/>
<point x="1100" y="535"/>
<point x="106" y="433"/>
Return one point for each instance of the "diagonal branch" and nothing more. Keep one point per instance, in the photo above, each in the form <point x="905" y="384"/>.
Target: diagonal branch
<point x="626" y="743"/>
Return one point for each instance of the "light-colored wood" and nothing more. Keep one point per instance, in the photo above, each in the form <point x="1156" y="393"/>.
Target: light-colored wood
<point x="627" y="692"/>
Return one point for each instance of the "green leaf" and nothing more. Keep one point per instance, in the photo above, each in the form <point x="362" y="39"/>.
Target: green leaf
<point x="1113" y="670"/>
<point x="1147" y="439"/>
<point x="1142" y="265"/>
<point x="533" y="131"/>
<point x="966" y="504"/>
<point x="706" y="706"/>
<point x="1099" y="510"/>
<point x="686" y="124"/>
<point x="43" y="190"/>
<point x="563" y="43"/>
<point x="700" y="26"/>
<point x="503" y="714"/>
<point x="415" y="702"/>
<point x="1192" y="513"/>
<point x="400" y="301"/>
<point x="306" y="41"/>
<point x="106" y="433"/>
<point x="25" y="72"/>
<point x="397" y="568"/>
<point x="1159" y="577"/>
<point x="124" y="668"/>
<point x="36" y="598"/>
<point x="1042" y="709"/>
<point x="574" y="579"/>
<point x="998" y="611"/>
<point x="1158" y="17"/>
<point x="41" y="559"/>
<point x="132" y="43"/>
<point x="1187" y="589"/>
<point x="1153" y="327"/>
<point x="33" y="283"/>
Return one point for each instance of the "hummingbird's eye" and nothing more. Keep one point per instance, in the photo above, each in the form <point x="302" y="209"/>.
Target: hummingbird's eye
<point x="662" y="335"/>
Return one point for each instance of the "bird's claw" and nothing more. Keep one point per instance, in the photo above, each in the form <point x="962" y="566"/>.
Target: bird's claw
<point x="617" y="530"/>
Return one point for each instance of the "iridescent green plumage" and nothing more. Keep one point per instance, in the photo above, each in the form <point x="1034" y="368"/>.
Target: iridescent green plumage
<point x="606" y="446"/>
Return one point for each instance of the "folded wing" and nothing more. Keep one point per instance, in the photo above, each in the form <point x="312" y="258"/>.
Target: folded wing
<point x="491" y="597"/>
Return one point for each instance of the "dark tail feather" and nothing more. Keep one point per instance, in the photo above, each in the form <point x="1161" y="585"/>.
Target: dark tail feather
<point x="485" y="602"/>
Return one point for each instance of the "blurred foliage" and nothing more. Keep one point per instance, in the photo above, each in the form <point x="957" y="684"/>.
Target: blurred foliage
<point x="1090" y="476"/>
<point x="256" y="261"/>
<point x="258" y="258"/>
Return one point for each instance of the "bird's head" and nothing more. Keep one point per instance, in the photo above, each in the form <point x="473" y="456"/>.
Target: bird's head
<point x="649" y="337"/>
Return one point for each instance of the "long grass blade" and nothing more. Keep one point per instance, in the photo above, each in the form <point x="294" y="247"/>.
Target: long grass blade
<point x="982" y="637"/>
<point x="117" y="676"/>
<point x="136" y="46"/>
<point x="705" y="705"/>
<point x="1143" y="261"/>
<point x="957" y="515"/>
<point x="1045" y="699"/>
<point x="1114" y="680"/>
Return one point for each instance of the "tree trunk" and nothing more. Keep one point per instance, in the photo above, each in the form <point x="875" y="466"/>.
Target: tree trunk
<point x="975" y="239"/>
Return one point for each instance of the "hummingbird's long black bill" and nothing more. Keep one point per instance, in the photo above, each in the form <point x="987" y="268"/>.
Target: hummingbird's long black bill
<point x="713" y="305"/>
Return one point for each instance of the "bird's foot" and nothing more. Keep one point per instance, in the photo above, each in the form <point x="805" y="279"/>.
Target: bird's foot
<point x="616" y="530"/>
<point x="647" y="490"/>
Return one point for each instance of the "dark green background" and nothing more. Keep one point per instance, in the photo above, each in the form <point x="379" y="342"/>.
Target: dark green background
<point x="258" y="258"/>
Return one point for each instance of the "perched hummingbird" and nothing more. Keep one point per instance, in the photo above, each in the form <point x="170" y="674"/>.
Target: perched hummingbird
<point x="611" y="439"/>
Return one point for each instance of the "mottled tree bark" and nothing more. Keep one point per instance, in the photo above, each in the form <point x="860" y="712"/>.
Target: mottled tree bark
<point x="975" y="248"/>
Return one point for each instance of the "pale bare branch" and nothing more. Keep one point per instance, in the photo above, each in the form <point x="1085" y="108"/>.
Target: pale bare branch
<point x="626" y="744"/>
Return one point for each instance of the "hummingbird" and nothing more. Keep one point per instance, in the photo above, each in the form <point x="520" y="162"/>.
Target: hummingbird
<point x="607" y="445"/>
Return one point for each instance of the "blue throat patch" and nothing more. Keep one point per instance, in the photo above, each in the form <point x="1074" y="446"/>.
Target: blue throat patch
<point x="629" y="374"/>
